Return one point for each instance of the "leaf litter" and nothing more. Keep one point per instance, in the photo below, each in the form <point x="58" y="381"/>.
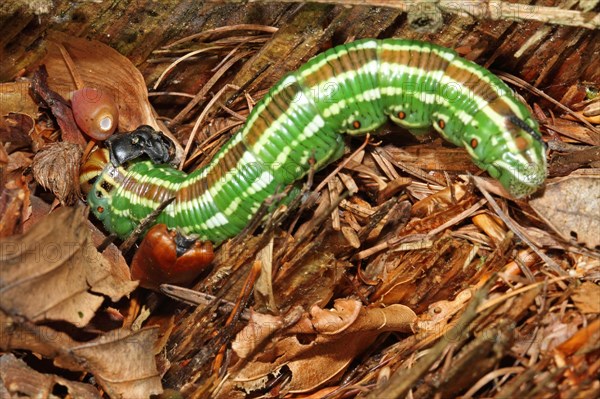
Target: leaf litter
<point x="401" y="278"/>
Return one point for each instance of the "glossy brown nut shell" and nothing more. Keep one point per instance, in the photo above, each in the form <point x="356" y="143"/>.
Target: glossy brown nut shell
<point x="95" y="112"/>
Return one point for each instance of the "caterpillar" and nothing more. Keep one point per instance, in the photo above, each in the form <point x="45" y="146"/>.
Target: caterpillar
<point x="349" y="89"/>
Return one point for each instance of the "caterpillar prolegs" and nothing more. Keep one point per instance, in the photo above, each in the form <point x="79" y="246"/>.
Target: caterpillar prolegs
<point x="349" y="89"/>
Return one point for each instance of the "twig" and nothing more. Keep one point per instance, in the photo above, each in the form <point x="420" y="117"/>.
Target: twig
<point x="178" y="61"/>
<point x="145" y="223"/>
<point x="200" y="120"/>
<point x="394" y="242"/>
<point x="491" y="9"/>
<point x="195" y="298"/>
<point x="79" y="84"/>
<point x="170" y="93"/>
<point x="206" y="88"/>
<point x="517" y="81"/>
<point x="515" y="229"/>
<point x="503" y="298"/>
<point x="260" y="28"/>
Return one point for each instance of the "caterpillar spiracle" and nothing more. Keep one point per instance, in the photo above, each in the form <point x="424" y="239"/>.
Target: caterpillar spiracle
<point x="349" y="89"/>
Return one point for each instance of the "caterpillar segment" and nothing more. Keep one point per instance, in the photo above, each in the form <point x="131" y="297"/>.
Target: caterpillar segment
<point x="349" y="89"/>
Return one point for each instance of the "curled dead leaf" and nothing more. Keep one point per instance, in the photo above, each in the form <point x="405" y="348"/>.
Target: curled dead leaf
<point x="123" y="362"/>
<point x="334" y="321"/>
<point x="54" y="272"/>
<point x="312" y="358"/>
<point x="56" y="168"/>
<point x="58" y="106"/>
<point x="103" y="68"/>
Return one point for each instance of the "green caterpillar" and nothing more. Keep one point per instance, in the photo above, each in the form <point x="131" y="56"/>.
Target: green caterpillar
<point x="352" y="89"/>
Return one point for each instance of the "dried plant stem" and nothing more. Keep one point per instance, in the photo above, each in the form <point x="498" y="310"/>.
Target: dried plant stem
<point x="520" y="82"/>
<point x="254" y="27"/>
<point x="180" y="60"/>
<point x="490" y="9"/>
<point x="343" y="164"/>
<point x="71" y="67"/>
<point x="515" y="229"/>
<point x="206" y="88"/>
<point x="503" y="298"/>
<point x="201" y="119"/>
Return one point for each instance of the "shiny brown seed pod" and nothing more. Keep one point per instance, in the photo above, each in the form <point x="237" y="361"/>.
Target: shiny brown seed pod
<point x="95" y="112"/>
<point x="156" y="261"/>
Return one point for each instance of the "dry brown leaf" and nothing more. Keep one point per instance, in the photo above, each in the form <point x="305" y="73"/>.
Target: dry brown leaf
<point x="15" y="129"/>
<point x="20" y="333"/>
<point x="54" y="272"/>
<point x="586" y="337"/>
<point x="251" y="337"/>
<point x="574" y="130"/>
<point x="263" y="288"/>
<point x="15" y="98"/>
<point x="56" y="168"/>
<point x="312" y="357"/>
<point x="571" y="206"/>
<point x="58" y="105"/>
<point x="123" y="362"/>
<point x="334" y="321"/>
<point x="587" y="297"/>
<point x="103" y="68"/>
<point x="18" y="160"/>
<point x="17" y="110"/>
<point x="19" y="380"/>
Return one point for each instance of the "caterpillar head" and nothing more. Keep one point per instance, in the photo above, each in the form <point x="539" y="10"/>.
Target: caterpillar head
<point x="511" y="150"/>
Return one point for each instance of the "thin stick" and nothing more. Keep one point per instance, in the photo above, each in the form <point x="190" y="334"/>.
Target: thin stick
<point x="206" y="88"/>
<point x="515" y="229"/>
<point x="196" y="298"/>
<point x="178" y="61"/>
<point x="260" y="28"/>
<point x="201" y="119"/>
<point x="343" y="164"/>
<point x="517" y="81"/>
<point x="491" y="9"/>
<point x="170" y="93"/>
<point x="71" y="67"/>
<point x="145" y="223"/>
